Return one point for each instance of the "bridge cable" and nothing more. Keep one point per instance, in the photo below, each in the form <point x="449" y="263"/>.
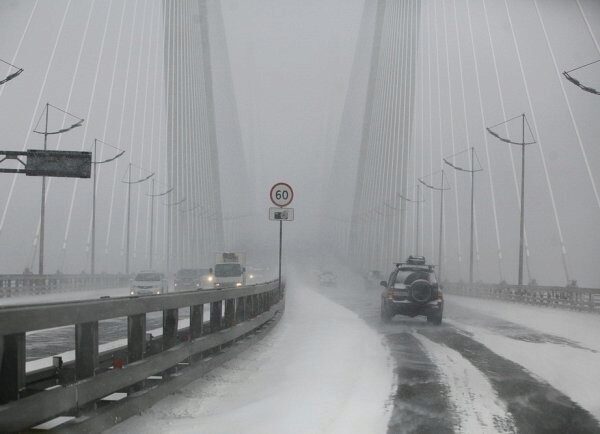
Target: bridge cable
<point x="453" y="143"/>
<point x="504" y="116"/>
<point x="541" y="147"/>
<point x="65" y="114"/>
<point x="34" y="115"/>
<point x="134" y="123"/>
<point x="105" y="131"/>
<point x="568" y="104"/>
<point x="97" y="166"/>
<point x="485" y="141"/>
<point x="123" y="105"/>
<point x="21" y="39"/>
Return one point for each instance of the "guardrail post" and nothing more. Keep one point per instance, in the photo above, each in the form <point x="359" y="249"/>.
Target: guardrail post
<point x="196" y="320"/>
<point x="215" y="316"/>
<point x="170" y="321"/>
<point x="12" y="367"/>
<point x="136" y="337"/>
<point x="240" y="310"/>
<point x="86" y="349"/>
<point x="229" y="312"/>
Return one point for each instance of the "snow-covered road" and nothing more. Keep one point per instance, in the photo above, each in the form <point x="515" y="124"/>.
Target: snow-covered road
<point x="321" y="370"/>
<point x="330" y="365"/>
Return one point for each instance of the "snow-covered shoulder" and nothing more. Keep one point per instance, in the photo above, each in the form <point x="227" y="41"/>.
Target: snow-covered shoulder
<point x="322" y="369"/>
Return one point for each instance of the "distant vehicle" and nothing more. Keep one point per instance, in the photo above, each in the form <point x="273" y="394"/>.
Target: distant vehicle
<point x="327" y="278"/>
<point x="193" y="278"/>
<point x="230" y="270"/>
<point x="255" y="275"/>
<point x="412" y="289"/>
<point x="148" y="283"/>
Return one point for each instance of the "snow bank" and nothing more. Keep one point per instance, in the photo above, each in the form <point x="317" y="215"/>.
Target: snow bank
<point x="320" y="370"/>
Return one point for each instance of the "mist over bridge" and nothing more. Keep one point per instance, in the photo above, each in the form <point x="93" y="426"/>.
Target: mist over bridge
<point x="216" y="107"/>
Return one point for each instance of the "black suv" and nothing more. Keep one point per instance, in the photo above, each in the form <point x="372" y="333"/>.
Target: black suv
<point x="412" y="290"/>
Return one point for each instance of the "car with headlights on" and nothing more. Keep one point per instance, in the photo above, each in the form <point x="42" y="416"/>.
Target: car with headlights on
<point x="412" y="290"/>
<point x="188" y="279"/>
<point x="149" y="283"/>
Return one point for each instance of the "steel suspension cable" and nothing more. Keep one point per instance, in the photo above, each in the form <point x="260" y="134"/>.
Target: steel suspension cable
<point x="105" y="131"/>
<point x="142" y="145"/>
<point x="440" y="124"/>
<point x="589" y="27"/>
<point x="146" y="233"/>
<point x="568" y="104"/>
<point x="541" y="147"/>
<point x="453" y="142"/>
<point x="21" y="39"/>
<point x="504" y="116"/>
<point x="34" y="115"/>
<point x="485" y="141"/>
<point x="67" y="108"/>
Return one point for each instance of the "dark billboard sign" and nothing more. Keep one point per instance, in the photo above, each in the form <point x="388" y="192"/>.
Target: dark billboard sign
<point x="67" y="164"/>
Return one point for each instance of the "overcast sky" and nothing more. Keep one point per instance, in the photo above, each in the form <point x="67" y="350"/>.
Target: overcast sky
<point x="290" y="63"/>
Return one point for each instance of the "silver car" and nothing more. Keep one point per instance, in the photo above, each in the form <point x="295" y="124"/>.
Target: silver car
<point x="149" y="283"/>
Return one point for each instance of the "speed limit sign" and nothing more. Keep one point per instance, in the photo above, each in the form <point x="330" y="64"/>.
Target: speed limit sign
<point x="281" y="194"/>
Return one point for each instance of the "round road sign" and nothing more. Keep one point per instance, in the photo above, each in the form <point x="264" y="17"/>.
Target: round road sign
<point x="282" y="194"/>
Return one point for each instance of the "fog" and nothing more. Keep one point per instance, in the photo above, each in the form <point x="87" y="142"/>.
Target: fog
<point x="290" y="83"/>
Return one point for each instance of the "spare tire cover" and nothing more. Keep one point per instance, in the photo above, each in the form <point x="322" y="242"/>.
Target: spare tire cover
<point x="421" y="291"/>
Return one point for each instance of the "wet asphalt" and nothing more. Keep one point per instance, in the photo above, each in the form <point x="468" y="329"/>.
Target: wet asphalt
<point x="421" y="401"/>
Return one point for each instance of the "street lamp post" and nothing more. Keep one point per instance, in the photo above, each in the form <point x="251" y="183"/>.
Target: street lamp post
<point x="522" y="144"/>
<point x="129" y="183"/>
<point x="152" y="196"/>
<point x="417" y="202"/>
<point x="441" y="189"/>
<point x="472" y="171"/>
<point x="47" y="133"/>
<point x="95" y="167"/>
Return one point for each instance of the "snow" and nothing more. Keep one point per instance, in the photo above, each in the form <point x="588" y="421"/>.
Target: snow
<point x="572" y="325"/>
<point x="573" y="371"/>
<point x="476" y="405"/>
<point x="570" y="366"/>
<point x="320" y="370"/>
<point x="89" y="294"/>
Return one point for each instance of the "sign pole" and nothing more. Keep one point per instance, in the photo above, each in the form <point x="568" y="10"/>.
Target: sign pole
<point x="280" y="247"/>
<point x="43" y="207"/>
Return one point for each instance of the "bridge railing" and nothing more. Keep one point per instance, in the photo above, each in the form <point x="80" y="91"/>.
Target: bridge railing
<point x="29" y="399"/>
<point x="12" y="285"/>
<point x="587" y="299"/>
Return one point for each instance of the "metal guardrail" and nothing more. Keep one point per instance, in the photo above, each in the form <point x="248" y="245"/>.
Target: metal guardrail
<point x="14" y="285"/>
<point x="585" y="299"/>
<point x="23" y="404"/>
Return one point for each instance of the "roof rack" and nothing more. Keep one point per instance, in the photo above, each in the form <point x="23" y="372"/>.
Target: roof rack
<point x="409" y="264"/>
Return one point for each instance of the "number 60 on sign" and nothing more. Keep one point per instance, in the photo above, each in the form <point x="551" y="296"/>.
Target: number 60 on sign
<point x="282" y="194"/>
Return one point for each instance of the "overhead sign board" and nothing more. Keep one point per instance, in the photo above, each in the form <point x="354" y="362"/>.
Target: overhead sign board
<point x="281" y="214"/>
<point x="68" y="164"/>
<point x="281" y="194"/>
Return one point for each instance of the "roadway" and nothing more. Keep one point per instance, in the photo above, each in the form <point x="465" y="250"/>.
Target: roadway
<point x="492" y="366"/>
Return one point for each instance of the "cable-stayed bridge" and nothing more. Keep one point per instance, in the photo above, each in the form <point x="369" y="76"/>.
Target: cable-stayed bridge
<point x="466" y="134"/>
